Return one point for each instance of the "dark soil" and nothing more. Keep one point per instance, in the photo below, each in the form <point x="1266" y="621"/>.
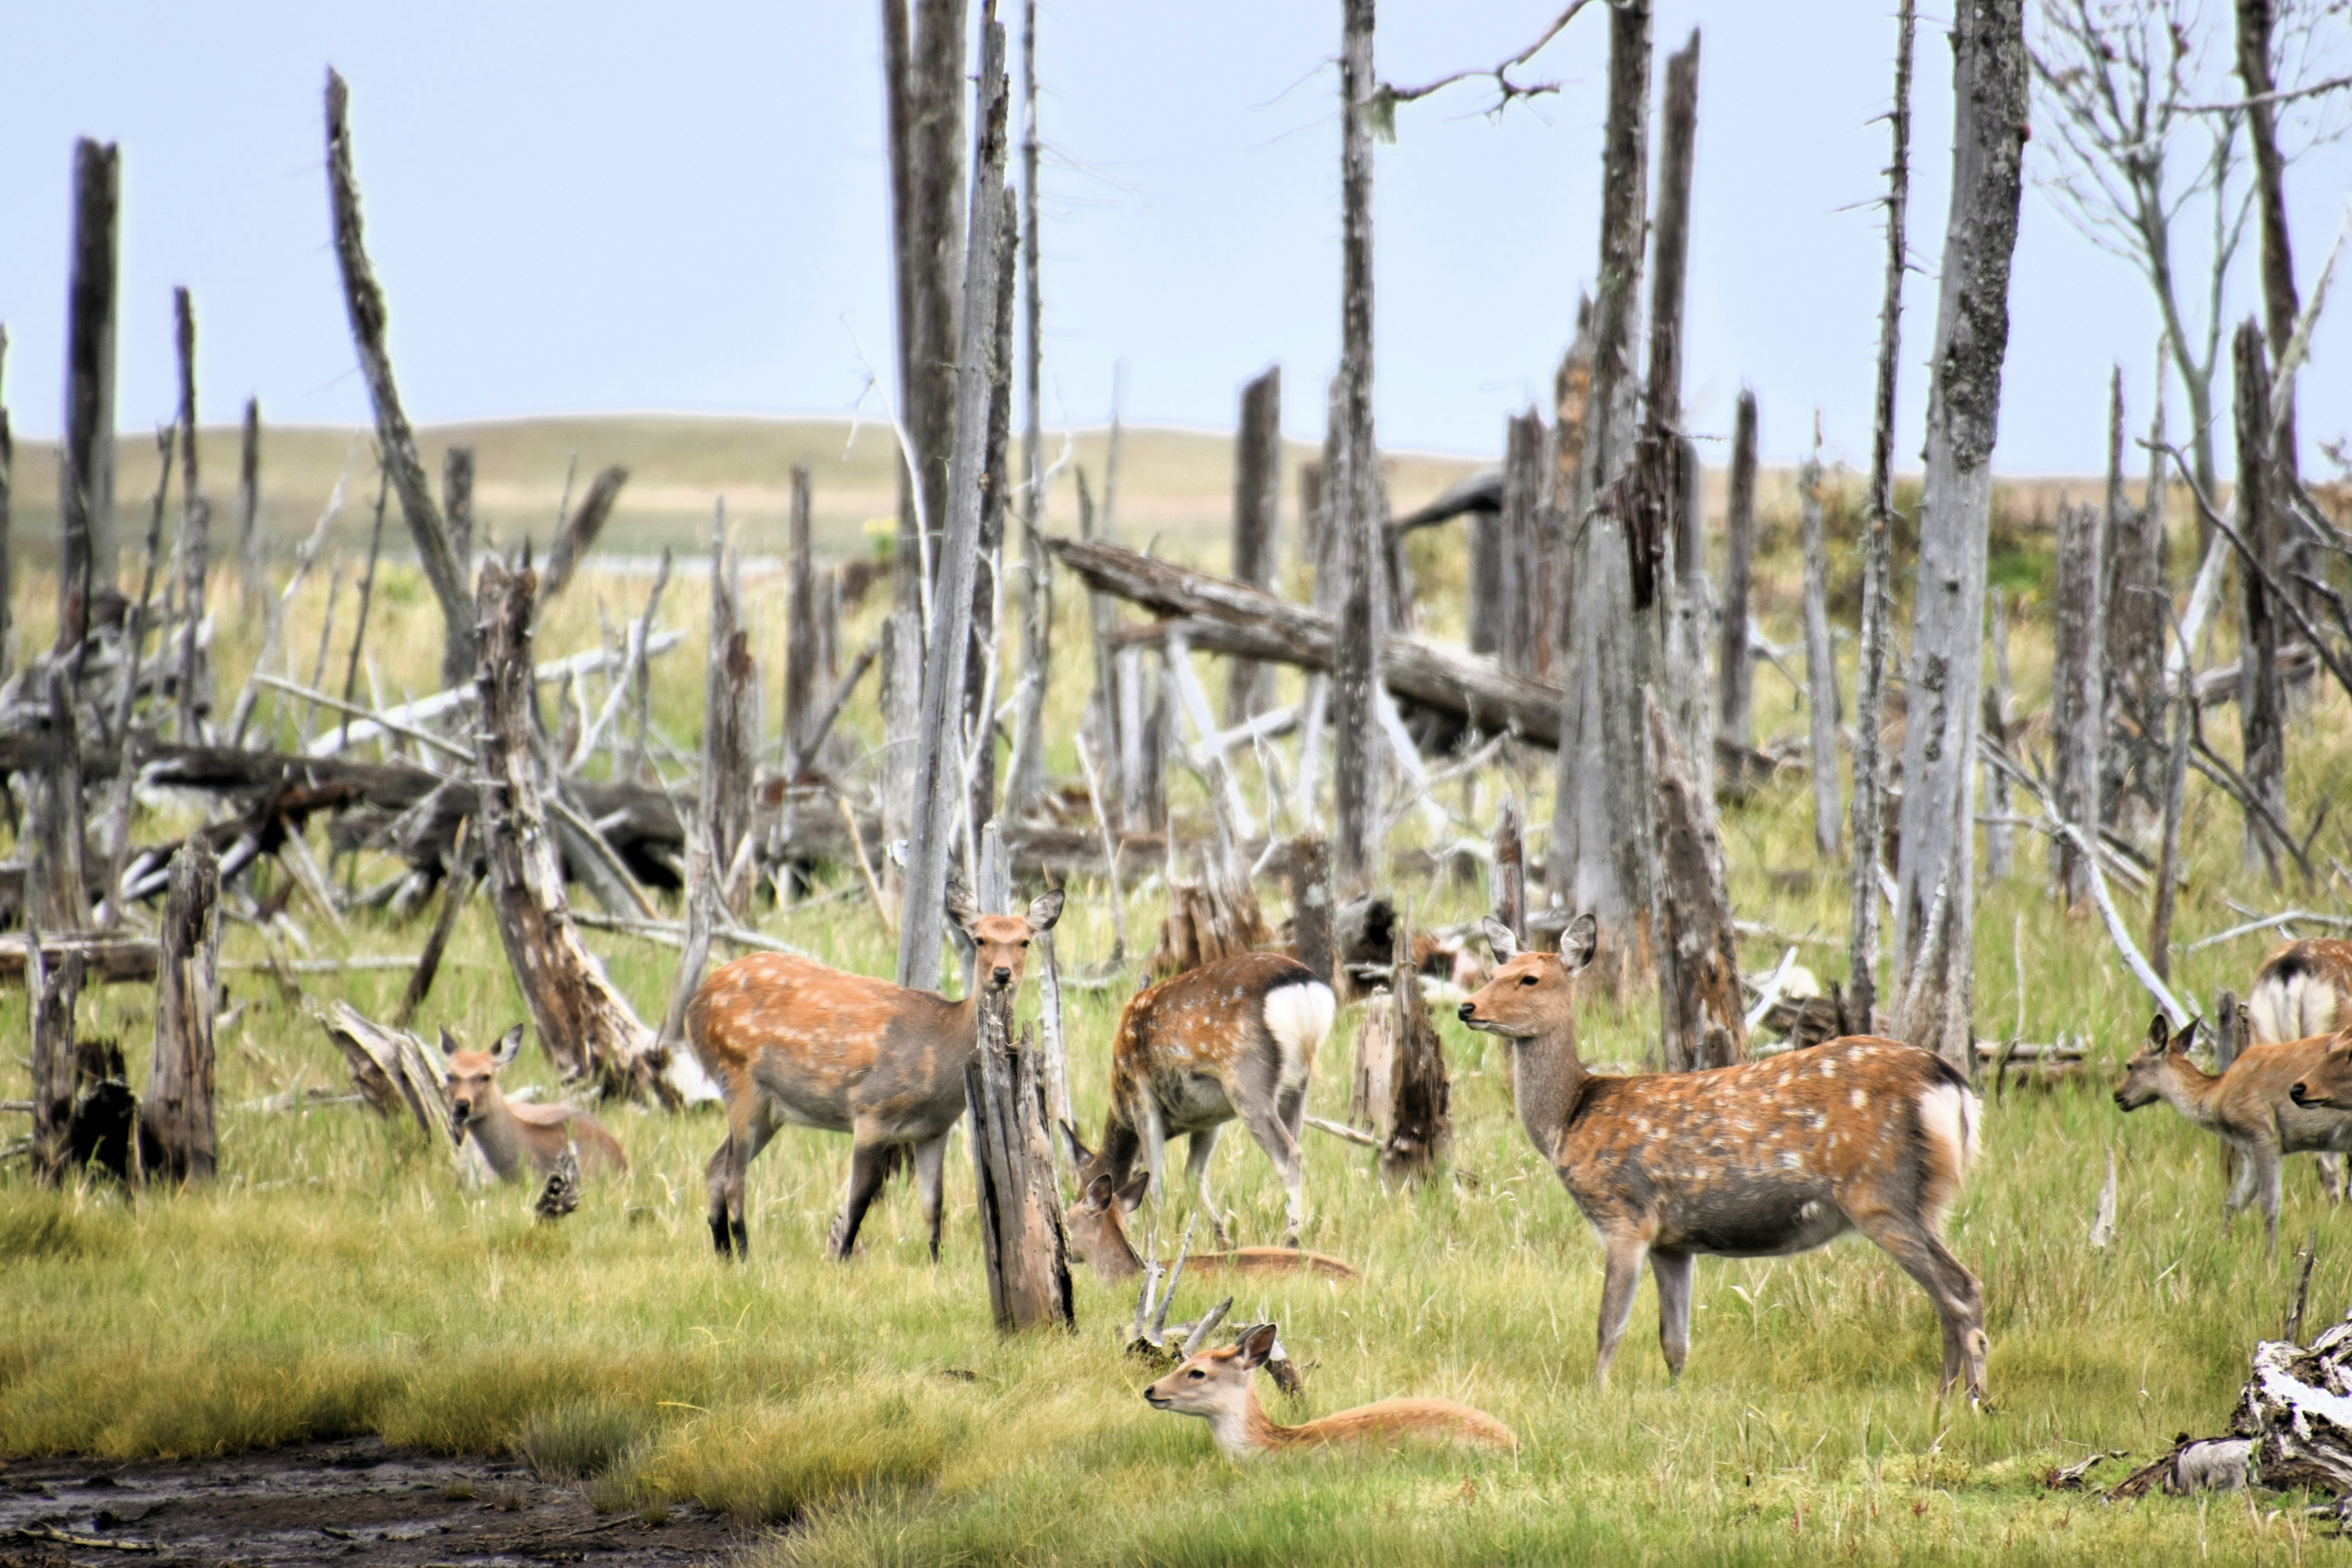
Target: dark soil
<point x="347" y="1503"/>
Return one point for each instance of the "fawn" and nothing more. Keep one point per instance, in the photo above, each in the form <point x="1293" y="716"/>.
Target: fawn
<point x="1756" y="1161"/>
<point x="1218" y="1386"/>
<point x="1097" y="1227"/>
<point x="2254" y="1107"/>
<point x="2327" y="1084"/>
<point x="1236" y="1037"/>
<point x="790" y="1040"/>
<point x="510" y="1136"/>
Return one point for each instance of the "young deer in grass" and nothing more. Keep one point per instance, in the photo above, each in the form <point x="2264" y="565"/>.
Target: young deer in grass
<point x="513" y="1137"/>
<point x="1756" y="1161"/>
<point x="2254" y="1107"/>
<point x="1236" y="1037"/>
<point x="1219" y="1386"/>
<point x="1097" y="1227"/>
<point x="791" y="1041"/>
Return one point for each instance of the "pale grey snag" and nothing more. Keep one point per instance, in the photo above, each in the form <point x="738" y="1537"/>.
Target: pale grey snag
<point x="2077" y="687"/>
<point x="1683" y="591"/>
<point x="176" y="1121"/>
<point x="193" y="700"/>
<point x="1512" y="600"/>
<point x="1509" y="895"/>
<point x="1971" y="340"/>
<point x="1735" y="674"/>
<point x="86" y="549"/>
<point x="731" y="722"/>
<point x="2261" y="698"/>
<point x="1701" y="1013"/>
<point x="981" y="666"/>
<point x="1025" y="788"/>
<point x="1352" y="487"/>
<point x="2138" y="602"/>
<point x="255" y="591"/>
<point x="801" y="651"/>
<point x="1820" y="661"/>
<point x="576" y="534"/>
<point x="1571" y="410"/>
<point x="439" y="550"/>
<point x="1257" y="506"/>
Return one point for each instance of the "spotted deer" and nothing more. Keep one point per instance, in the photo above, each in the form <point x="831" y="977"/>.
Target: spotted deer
<point x="791" y="1041"/>
<point x="1760" y="1160"/>
<point x="1097" y="1227"/>
<point x="2303" y="990"/>
<point x="1219" y="1387"/>
<point x="2252" y="1107"/>
<point x="1236" y="1037"/>
<point x="519" y="1139"/>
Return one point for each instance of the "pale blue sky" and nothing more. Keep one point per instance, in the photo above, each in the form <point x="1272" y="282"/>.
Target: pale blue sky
<point x="592" y="206"/>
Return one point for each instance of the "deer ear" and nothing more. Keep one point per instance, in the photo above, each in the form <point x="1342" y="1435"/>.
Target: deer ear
<point x="449" y="1045"/>
<point x="962" y="911"/>
<point x="509" y="1047"/>
<point x="1579" y="940"/>
<point x="2183" y="1037"/>
<point x="1044" y="909"/>
<point x="1131" y="1196"/>
<point x="1501" y="938"/>
<point x="1099" y="1194"/>
<point x="1255" y="1345"/>
<point x="1080" y="1155"/>
<point x="2159" y="1033"/>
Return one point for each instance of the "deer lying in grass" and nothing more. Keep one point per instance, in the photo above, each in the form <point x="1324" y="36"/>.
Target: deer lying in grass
<point x="515" y="1140"/>
<point x="1219" y="1386"/>
<point x="2303" y="990"/>
<point x="1236" y="1037"/>
<point x="2252" y="1107"/>
<point x="790" y="1040"/>
<point x="1757" y="1161"/>
<point x="1097" y="1227"/>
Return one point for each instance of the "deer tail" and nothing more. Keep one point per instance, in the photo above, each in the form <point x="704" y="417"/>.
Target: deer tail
<point x="1950" y="1119"/>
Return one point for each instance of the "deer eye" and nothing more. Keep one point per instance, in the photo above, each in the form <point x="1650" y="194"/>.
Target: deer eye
<point x="1196" y="1375"/>
<point x="1526" y="980"/>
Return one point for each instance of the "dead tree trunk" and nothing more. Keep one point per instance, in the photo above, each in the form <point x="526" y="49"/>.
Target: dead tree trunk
<point x="800" y="632"/>
<point x="2001" y="838"/>
<point x="50" y="994"/>
<point x="1820" y="661"/>
<point x="2138" y="601"/>
<point x="938" y="785"/>
<point x="176" y="1121"/>
<point x="1257" y="506"/>
<point x="1510" y="875"/>
<point x="8" y="509"/>
<point x="1602" y="851"/>
<point x="457" y="505"/>
<point x="2281" y="303"/>
<point x="1352" y="487"/>
<point x="1512" y="584"/>
<point x="2260" y="702"/>
<point x="902" y="722"/>
<point x="1869" y="772"/>
<point x="1420" y="1131"/>
<point x="457" y="884"/>
<point x="436" y="550"/>
<point x="57" y="896"/>
<point x="731" y="724"/>
<point x="1024" y="787"/>
<point x="576" y="535"/>
<point x="1939" y="758"/>
<point x="86" y="588"/>
<point x="1700" y="1013"/>
<point x="191" y="703"/>
<point x="1310" y="905"/>
<point x="585" y="1023"/>
<point x="254" y="591"/>
<point x="2077" y="684"/>
<point x="982" y="669"/>
<point x="1735" y="676"/>
<point x="1555" y="576"/>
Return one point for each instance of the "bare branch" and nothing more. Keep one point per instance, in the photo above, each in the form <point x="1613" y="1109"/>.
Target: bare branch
<point x="1387" y="96"/>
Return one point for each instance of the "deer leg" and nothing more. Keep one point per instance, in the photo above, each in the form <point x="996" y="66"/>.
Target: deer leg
<point x="1957" y="1298"/>
<point x="2331" y="1175"/>
<point x="1672" y="1271"/>
<point x="1266" y="1126"/>
<point x="868" y="1164"/>
<point x="1200" y="1144"/>
<point x="931" y="1169"/>
<point x="1153" y="1132"/>
<point x="748" y="1131"/>
<point x="2265" y="1168"/>
<point x="1625" y="1255"/>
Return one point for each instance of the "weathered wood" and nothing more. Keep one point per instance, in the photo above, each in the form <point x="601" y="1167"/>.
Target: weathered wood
<point x="982" y="673"/>
<point x="1371" y="1094"/>
<point x="2077" y="690"/>
<point x="253" y="590"/>
<point x="1101" y="722"/>
<point x="1735" y="674"/>
<point x="1508" y="899"/>
<point x="57" y="881"/>
<point x="2256" y="21"/>
<point x="193" y="697"/>
<point x="394" y="1070"/>
<point x="1311" y="518"/>
<point x="1420" y="1123"/>
<point x="1820" y="661"/>
<point x="1510" y="588"/>
<point x="575" y="534"/>
<point x="801" y="629"/>
<point x="2000" y="834"/>
<point x="53" y="987"/>
<point x="1257" y="506"/>
<point x="457" y="512"/>
<point x="176" y="1139"/>
<point x="1971" y="341"/>
<point x="1024" y="787"/>
<point x="2262" y="708"/>
<point x="731" y="721"/>
<point x="703" y="905"/>
<point x="1310" y="905"/>
<point x="1141" y="724"/>
<point x="86" y="553"/>
<point x="2139" y="603"/>
<point x="2168" y="862"/>
<point x="367" y="600"/>
<point x="457" y="884"/>
<point x="1351" y="483"/>
<point x="1670" y="249"/>
<point x="1571" y="416"/>
<point x="1701" y="1012"/>
<point x="1869" y="800"/>
<point x="439" y="552"/>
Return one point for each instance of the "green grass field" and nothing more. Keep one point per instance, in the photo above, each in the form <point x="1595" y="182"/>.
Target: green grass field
<point x="337" y="1280"/>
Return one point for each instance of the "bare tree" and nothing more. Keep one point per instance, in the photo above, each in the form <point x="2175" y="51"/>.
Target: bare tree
<point x="1257" y="504"/>
<point x="1351" y="490"/>
<point x="86" y="453"/>
<point x="1026" y="783"/>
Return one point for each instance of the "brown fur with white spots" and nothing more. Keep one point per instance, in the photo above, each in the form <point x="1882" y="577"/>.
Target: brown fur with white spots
<point x="1097" y="1227"/>
<point x="1219" y="1386"/>
<point x="2253" y="1107"/>
<point x="1760" y="1160"/>
<point x="513" y="1137"/>
<point x="1233" y="1038"/>
<point x="792" y="1042"/>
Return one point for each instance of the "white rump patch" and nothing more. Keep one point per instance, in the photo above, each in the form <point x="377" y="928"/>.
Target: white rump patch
<point x="1949" y="1115"/>
<point x="2294" y="1008"/>
<point x="1299" y="1019"/>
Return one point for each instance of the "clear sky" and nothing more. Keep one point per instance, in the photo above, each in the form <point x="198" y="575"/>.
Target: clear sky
<point x="594" y="206"/>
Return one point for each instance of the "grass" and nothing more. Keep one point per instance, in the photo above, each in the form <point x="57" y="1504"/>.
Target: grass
<point x="337" y="1280"/>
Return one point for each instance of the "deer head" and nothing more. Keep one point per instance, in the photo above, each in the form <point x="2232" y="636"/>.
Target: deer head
<point x="2327" y="1086"/>
<point x="1000" y="943"/>
<point x="472" y="1083"/>
<point x="2161" y="1063"/>
<point x="1215" y="1384"/>
<point x="1097" y="1225"/>
<point x="1532" y="993"/>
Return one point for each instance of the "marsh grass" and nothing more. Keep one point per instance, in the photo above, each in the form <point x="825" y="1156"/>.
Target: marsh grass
<point x="337" y="1280"/>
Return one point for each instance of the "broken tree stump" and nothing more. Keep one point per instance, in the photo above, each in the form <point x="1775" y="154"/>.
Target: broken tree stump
<point x="52" y="989"/>
<point x="1702" y="1017"/>
<point x="1310" y="905"/>
<point x="1258" y="503"/>
<point x="393" y="1069"/>
<point x="177" y="1136"/>
<point x="1510" y="874"/>
<point x="1420" y="1131"/>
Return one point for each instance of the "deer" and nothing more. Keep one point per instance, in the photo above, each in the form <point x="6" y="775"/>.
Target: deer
<point x="1096" y="1226"/>
<point x="1219" y="1387"/>
<point x="2302" y="991"/>
<point x="2254" y="1107"/>
<point x="792" y="1041"/>
<point x="1760" y="1160"/>
<point x="1234" y="1038"/>
<point x="517" y="1140"/>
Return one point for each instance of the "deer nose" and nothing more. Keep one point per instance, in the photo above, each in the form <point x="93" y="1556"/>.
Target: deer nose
<point x="1004" y="975"/>
<point x="2295" y="1093"/>
<point x="1468" y="1010"/>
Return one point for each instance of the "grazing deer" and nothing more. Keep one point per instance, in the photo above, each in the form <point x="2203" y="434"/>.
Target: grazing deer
<point x="791" y="1041"/>
<point x="2254" y="1107"/>
<point x="1097" y="1227"/>
<point x="1755" y="1161"/>
<point x="1218" y="1385"/>
<point x="1234" y="1038"/>
<point x="520" y="1140"/>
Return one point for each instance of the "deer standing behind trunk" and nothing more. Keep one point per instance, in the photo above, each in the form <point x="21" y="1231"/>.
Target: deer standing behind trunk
<point x="519" y="1139"/>
<point x="1755" y="1161"/>
<point x="1096" y="1227"/>
<point x="2303" y="990"/>
<point x="791" y="1041"/>
<point x="2253" y="1107"/>
<point x="1234" y="1038"/>
<point x="1219" y="1386"/>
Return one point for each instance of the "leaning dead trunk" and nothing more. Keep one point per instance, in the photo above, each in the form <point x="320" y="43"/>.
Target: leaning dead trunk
<point x="2077" y="687"/>
<point x="176" y="1139"/>
<point x="1701" y="1017"/>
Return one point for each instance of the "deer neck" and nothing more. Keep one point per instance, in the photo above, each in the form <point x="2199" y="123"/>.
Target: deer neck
<point x="1547" y="1080"/>
<point x="2188" y="1090"/>
<point x="1245" y="1431"/>
<point x="496" y="1133"/>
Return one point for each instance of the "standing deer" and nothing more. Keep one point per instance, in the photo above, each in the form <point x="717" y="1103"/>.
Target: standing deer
<point x="1218" y="1386"/>
<point x="1234" y="1038"/>
<point x="2303" y="990"/>
<point x="2252" y="1107"/>
<point x="1755" y="1161"/>
<point x="1097" y="1227"/>
<point x="512" y="1136"/>
<point x="790" y="1040"/>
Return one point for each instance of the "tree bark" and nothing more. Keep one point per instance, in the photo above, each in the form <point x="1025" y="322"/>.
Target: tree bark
<point x="1701" y="1017"/>
<point x="800" y="631"/>
<point x="982" y="669"/>
<point x="2077" y="684"/>
<point x="86" y="542"/>
<point x="1257" y="506"/>
<point x="1509" y="895"/>
<point x="1821" y="660"/>
<point x="1025" y="789"/>
<point x="57" y="889"/>
<point x="190" y="701"/>
<point x="731" y="721"/>
<point x="176" y="1122"/>
<point x="2262" y="707"/>
<point x="577" y="534"/>
<point x="1512" y="604"/>
<point x="52" y="989"/>
<point x="938" y="785"/>
<point x="2001" y="838"/>
<point x="1310" y="905"/>
<point x="2281" y="302"/>
<point x="1420" y="1123"/>
<point x="1735" y="676"/>
<point x="1938" y="845"/>
<point x="1555" y="576"/>
<point x="1670" y="245"/>
<point x="1352" y="485"/>
<point x="2138" y="599"/>
<point x="438" y="551"/>
<point x="255" y="590"/>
